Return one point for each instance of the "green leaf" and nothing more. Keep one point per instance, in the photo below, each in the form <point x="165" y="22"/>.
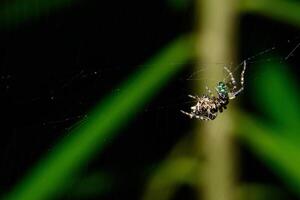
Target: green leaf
<point x="275" y="92"/>
<point x="279" y="152"/>
<point x="286" y="11"/>
<point x="179" y="5"/>
<point x="49" y="177"/>
<point x="18" y="11"/>
<point x="90" y="186"/>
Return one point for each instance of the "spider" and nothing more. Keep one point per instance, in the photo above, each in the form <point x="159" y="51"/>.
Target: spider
<point x="208" y="106"/>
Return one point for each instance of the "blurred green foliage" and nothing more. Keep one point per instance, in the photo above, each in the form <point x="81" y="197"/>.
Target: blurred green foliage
<point x="92" y="185"/>
<point x="179" y="5"/>
<point x="15" y="12"/>
<point x="275" y="92"/>
<point x="286" y="11"/>
<point x="277" y="142"/>
<point x="52" y="174"/>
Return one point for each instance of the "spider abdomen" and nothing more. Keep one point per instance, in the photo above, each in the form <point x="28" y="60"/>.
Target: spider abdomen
<point x="221" y="103"/>
<point x="206" y="108"/>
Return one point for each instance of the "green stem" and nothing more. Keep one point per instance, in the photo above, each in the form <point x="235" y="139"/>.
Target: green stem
<point x="216" y="43"/>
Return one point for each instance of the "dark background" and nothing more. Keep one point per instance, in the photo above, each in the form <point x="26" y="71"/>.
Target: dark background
<point x="55" y="68"/>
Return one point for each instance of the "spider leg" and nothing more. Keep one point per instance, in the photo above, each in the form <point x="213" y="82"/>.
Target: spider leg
<point x="193" y="97"/>
<point x="203" y="118"/>
<point x="232" y="79"/>
<point x="209" y="91"/>
<point x="189" y="114"/>
<point x="236" y="93"/>
<point x="243" y="73"/>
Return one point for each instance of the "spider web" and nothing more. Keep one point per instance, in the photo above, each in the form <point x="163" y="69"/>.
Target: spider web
<point x="63" y="104"/>
<point x="106" y="73"/>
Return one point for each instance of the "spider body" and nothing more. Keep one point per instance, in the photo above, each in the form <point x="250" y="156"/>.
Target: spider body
<point x="208" y="106"/>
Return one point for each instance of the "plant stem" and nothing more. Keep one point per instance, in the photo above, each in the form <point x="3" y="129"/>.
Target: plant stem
<point x="216" y="23"/>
